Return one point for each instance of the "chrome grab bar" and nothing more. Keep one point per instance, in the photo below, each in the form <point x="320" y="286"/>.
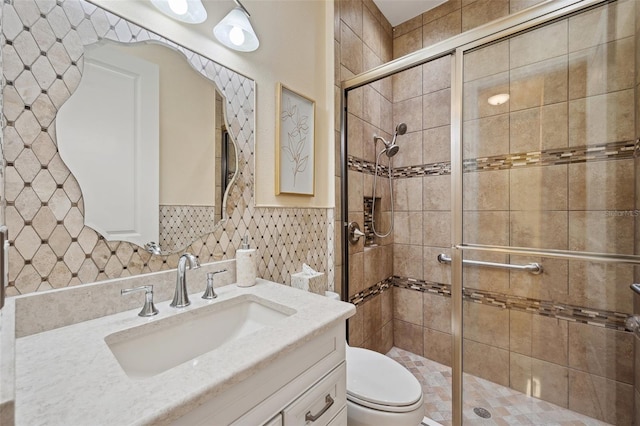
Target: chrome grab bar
<point x="635" y="287"/>
<point x="534" y="268"/>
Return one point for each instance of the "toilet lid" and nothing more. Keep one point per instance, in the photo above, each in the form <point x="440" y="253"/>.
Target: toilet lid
<point x="377" y="379"/>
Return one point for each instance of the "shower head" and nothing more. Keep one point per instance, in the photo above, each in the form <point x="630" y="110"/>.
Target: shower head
<point x="401" y="129"/>
<point x="391" y="148"/>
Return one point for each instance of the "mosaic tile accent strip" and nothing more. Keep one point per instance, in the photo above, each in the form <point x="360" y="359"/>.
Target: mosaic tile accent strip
<point x="372" y="291"/>
<point x="43" y="46"/>
<point x="552" y="157"/>
<point x="180" y="225"/>
<point x="596" y="317"/>
<point x="507" y="406"/>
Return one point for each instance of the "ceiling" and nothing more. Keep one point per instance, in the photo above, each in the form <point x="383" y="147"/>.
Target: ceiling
<point x="399" y="11"/>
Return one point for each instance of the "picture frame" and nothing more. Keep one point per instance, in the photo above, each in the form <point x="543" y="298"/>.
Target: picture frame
<point x="295" y="143"/>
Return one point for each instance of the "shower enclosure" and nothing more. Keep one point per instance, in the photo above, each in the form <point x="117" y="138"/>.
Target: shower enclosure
<point x="515" y="208"/>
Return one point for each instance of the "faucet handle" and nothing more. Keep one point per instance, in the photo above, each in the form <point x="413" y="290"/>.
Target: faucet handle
<point x="149" y="309"/>
<point x="210" y="293"/>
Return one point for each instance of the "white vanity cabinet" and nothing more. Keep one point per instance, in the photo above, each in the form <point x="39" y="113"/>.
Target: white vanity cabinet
<point x="306" y="386"/>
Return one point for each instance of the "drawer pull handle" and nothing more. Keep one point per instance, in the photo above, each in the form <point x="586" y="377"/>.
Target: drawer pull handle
<point x="328" y="403"/>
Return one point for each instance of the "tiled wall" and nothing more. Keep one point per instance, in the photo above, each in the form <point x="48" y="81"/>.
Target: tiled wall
<point x="544" y="170"/>
<point x="50" y="246"/>
<point x="363" y="40"/>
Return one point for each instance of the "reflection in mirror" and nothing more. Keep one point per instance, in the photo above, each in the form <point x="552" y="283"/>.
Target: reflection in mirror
<point x="145" y="136"/>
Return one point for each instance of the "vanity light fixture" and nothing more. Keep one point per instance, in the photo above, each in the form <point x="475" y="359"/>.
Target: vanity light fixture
<point x="189" y="11"/>
<point x="235" y="30"/>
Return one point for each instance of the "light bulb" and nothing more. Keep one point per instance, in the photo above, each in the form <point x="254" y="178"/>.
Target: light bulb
<point x="236" y="36"/>
<point x="498" y="99"/>
<point x="179" y="7"/>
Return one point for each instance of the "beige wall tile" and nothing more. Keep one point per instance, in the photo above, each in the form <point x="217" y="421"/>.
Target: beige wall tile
<point x="489" y="60"/>
<point x="387" y="306"/>
<point x="437" y="346"/>
<point x="539" y="229"/>
<point x="356" y="273"/>
<point x="601" y="351"/>
<point x="527" y="49"/>
<point x="436" y="145"/>
<point x="405" y="191"/>
<point x="436" y="108"/>
<point x="602" y="69"/>
<point x="372" y="106"/>
<point x="539" y="83"/>
<point x="436" y="228"/>
<point x="437" y="312"/>
<point x="436" y="192"/>
<point x="600" y="285"/>
<point x="409" y="112"/>
<point x="371" y="31"/>
<point x="408" y="228"/>
<point x="408" y="336"/>
<point x="356" y="328"/>
<point x="378" y="264"/>
<point x="488" y="279"/>
<point x="351" y="14"/>
<point x="407" y="261"/>
<point x="407" y="26"/>
<point x="600" y="398"/>
<point x="552" y="284"/>
<point x="486" y="227"/>
<point x="520" y="332"/>
<point x="440" y="11"/>
<point x="539" y="128"/>
<point x="407" y="305"/>
<point x="601" y="119"/>
<point x="486" y="190"/>
<point x="486" y="324"/>
<point x="355" y="97"/>
<point x="355" y="136"/>
<point x="355" y="180"/>
<point x="372" y="317"/>
<point x="441" y="28"/>
<point x="549" y="339"/>
<point x="387" y="337"/>
<point x="407" y="43"/>
<point x="410" y="153"/>
<point x="550" y="382"/>
<point x="483" y="11"/>
<point x="433" y="270"/>
<point x="350" y="50"/>
<point x="485" y="137"/>
<point x="436" y="75"/>
<point x="406" y="84"/>
<point x="539" y="188"/>
<point x="605" y="23"/>
<point x="518" y="5"/>
<point x="602" y="185"/>
<point x="595" y="231"/>
<point x="487" y="362"/>
<point x="520" y="373"/>
<point x="477" y="92"/>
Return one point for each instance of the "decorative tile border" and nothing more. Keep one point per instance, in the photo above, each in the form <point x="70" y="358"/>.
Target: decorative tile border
<point x="369" y="293"/>
<point x="552" y="157"/>
<point x="596" y="317"/>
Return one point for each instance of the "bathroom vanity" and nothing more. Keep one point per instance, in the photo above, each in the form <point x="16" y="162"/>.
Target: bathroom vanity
<point x="263" y="355"/>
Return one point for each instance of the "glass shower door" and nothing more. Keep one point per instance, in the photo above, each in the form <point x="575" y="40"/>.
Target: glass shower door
<point x="549" y="212"/>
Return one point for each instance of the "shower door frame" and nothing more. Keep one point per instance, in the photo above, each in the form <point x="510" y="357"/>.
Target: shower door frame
<point x="456" y="47"/>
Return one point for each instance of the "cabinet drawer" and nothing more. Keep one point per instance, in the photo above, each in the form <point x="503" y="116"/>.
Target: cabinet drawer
<point x="276" y="421"/>
<point x="320" y="404"/>
<point x="340" y="419"/>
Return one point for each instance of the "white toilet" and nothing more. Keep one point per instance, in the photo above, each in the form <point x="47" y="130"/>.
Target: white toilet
<point x="380" y="391"/>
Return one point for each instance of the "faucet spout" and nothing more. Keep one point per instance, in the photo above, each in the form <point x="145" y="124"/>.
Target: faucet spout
<point x="181" y="296"/>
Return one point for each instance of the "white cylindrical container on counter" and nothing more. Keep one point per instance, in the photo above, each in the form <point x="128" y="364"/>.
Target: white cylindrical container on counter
<point x="246" y="264"/>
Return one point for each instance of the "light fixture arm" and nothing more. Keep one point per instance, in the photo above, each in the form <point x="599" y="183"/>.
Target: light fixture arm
<point x="241" y="6"/>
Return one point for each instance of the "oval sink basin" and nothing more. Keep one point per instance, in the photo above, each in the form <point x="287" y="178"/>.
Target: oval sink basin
<point x="160" y="345"/>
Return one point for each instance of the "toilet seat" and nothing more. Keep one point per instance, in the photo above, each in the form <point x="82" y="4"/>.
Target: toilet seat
<point x="380" y="383"/>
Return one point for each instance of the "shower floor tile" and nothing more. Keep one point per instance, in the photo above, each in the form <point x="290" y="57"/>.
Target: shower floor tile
<point x="507" y="406"/>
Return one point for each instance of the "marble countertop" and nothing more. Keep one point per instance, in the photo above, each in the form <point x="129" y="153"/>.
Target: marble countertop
<point x="69" y="375"/>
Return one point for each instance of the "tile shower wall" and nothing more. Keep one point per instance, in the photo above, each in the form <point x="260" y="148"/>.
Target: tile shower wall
<point x="363" y="40"/>
<point x="568" y="197"/>
<point x="42" y="45"/>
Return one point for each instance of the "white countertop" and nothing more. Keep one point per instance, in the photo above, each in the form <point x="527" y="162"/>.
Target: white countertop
<point x="68" y="376"/>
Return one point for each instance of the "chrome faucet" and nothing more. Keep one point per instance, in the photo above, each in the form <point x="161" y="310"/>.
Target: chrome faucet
<point x="181" y="297"/>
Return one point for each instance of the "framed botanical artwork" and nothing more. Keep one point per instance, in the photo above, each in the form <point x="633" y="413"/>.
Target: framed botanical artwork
<point x="295" y="143"/>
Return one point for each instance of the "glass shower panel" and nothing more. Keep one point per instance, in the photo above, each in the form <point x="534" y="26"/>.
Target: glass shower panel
<point x="548" y="139"/>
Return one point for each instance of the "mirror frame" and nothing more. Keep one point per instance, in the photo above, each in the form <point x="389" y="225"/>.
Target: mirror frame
<point x="72" y="253"/>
